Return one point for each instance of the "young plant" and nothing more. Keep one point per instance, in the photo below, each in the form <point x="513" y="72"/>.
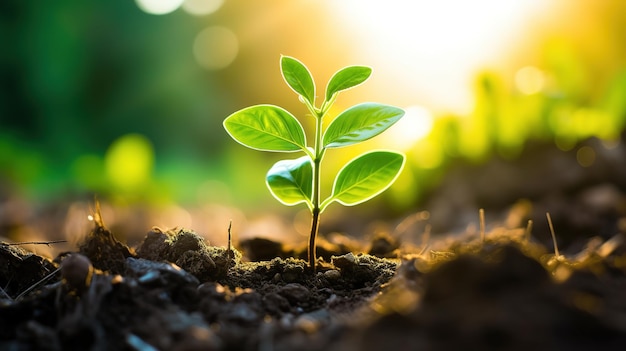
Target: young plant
<point x="295" y="181"/>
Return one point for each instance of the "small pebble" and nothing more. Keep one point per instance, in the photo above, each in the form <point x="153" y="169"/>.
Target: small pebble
<point x="76" y="270"/>
<point x="332" y="275"/>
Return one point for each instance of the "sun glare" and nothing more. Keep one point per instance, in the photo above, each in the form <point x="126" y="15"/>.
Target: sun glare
<point x="416" y="123"/>
<point x="435" y="48"/>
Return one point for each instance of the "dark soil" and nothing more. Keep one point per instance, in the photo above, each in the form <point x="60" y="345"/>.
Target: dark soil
<point x="176" y="292"/>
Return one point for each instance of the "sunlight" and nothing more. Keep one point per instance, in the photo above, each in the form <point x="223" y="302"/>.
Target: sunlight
<point x="416" y="123"/>
<point x="435" y="48"/>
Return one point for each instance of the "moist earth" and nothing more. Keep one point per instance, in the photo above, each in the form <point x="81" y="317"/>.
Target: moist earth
<point x="177" y="292"/>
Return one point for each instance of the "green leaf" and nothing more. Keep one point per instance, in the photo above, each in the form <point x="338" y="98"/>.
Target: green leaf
<point x="266" y="128"/>
<point x="365" y="177"/>
<point x="298" y="78"/>
<point x="360" y="123"/>
<point x="347" y="78"/>
<point x="291" y="181"/>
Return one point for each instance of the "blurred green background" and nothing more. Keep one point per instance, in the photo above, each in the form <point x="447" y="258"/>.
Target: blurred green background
<point x="125" y="99"/>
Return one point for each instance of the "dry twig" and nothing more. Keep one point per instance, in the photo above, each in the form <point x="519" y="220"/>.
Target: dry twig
<point x="43" y="280"/>
<point x="481" y="214"/>
<point x="556" y="248"/>
<point x="48" y="243"/>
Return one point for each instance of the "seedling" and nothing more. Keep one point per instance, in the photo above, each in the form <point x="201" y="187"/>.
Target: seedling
<point x="295" y="181"/>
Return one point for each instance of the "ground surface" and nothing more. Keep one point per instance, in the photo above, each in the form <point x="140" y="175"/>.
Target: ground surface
<point x="174" y="292"/>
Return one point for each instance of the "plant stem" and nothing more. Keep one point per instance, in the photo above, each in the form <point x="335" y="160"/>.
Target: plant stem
<point x="317" y="160"/>
<point x="315" y="223"/>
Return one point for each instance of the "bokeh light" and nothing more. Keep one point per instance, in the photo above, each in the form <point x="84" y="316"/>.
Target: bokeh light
<point x="202" y="7"/>
<point x="586" y="156"/>
<point x="159" y="7"/>
<point x="215" y="47"/>
<point x="529" y="80"/>
<point x="129" y="161"/>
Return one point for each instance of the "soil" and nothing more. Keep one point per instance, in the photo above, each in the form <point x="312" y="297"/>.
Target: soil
<point x="504" y="290"/>
<point x="176" y="292"/>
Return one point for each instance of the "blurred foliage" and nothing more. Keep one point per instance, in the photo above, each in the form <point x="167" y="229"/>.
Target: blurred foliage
<point x="101" y="97"/>
<point x="77" y="77"/>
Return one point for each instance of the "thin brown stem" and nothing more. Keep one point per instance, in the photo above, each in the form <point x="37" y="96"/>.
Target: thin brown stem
<point x="529" y="230"/>
<point x="315" y="223"/>
<point x="229" y="252"/>
<point x="481" y="215"/>
<point x="556" y="247"/>
<point x="41" y="281"/>
<point x="48" y="243"/>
